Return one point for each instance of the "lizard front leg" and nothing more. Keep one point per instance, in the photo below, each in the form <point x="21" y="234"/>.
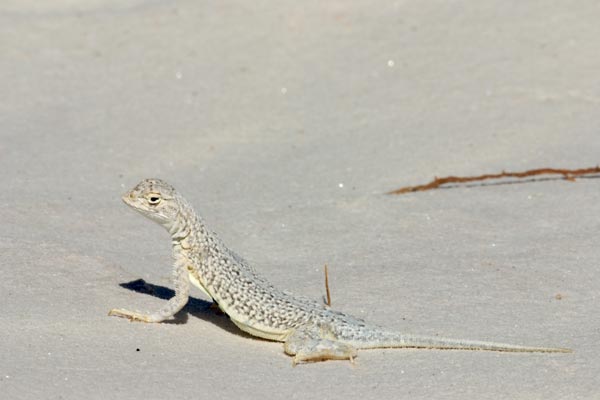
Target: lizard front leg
<point x="174" y="305"/>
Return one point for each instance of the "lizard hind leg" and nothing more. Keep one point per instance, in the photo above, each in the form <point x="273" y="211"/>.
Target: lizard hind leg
<point x="316" y="343"/>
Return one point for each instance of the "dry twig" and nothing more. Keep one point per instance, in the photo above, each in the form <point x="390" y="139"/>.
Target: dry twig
<point x="328" y="302"/>
<point x="568" y="174"/>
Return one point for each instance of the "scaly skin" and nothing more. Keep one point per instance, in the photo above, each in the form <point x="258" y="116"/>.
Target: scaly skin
<point x="311" y="331"/>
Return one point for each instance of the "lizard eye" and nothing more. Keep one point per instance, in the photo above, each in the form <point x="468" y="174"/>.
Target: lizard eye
<point x="154" y="199"/>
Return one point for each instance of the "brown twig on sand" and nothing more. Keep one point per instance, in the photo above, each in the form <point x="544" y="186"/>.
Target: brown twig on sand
<point x="568" y="174"/>
<point x="328" y="302"/>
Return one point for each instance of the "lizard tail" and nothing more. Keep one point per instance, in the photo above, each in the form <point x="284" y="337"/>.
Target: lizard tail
<point x="396" y="340"/>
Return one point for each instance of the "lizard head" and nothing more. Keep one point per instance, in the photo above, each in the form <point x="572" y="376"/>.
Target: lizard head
<point x="155" y="199"/>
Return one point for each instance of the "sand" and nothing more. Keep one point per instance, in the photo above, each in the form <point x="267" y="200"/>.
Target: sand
<point x="285" y="123"/>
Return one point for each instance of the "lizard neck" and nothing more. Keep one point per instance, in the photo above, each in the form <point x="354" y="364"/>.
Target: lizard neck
<point x="188" y="232"/>
<point x="179" y="229"/>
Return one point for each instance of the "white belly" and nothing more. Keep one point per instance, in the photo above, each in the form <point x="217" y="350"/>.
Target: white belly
<point x="269" y="334"/>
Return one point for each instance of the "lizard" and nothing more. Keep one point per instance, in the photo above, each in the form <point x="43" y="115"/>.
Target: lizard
<point x="311" y="331"/>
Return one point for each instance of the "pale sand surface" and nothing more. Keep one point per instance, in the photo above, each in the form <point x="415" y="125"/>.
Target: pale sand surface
<point x="285" y="123"/>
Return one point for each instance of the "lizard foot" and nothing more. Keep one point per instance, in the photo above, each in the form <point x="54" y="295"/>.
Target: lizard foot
<point x="312" y="345"/>
<point x="130" y="315"/>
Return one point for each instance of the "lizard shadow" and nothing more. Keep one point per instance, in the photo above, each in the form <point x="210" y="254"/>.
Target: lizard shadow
<point x="198" y="308"/>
